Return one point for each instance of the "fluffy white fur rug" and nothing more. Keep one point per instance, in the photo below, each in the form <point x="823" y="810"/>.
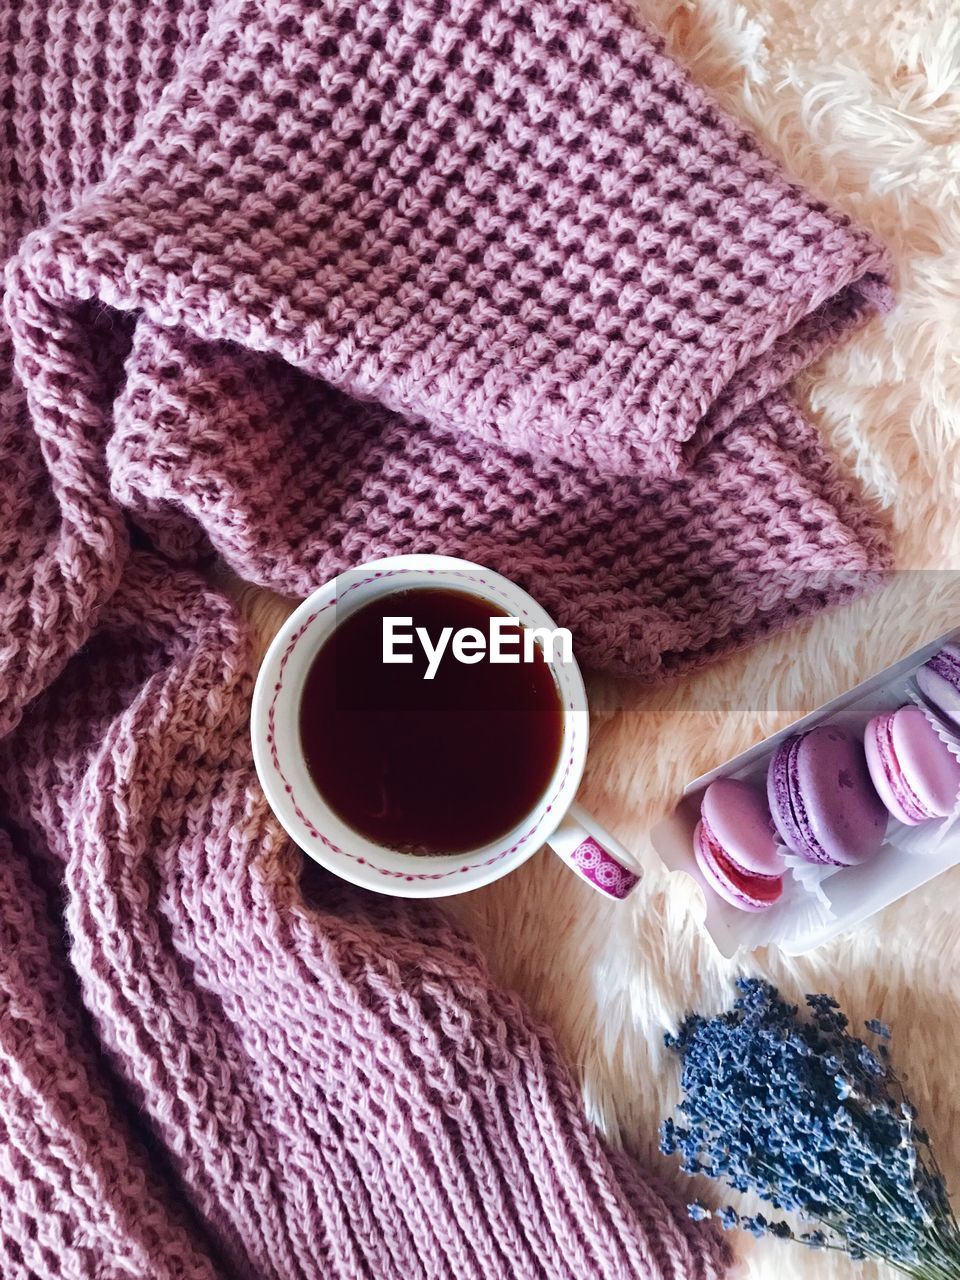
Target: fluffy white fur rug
<point x="861" y="100"/>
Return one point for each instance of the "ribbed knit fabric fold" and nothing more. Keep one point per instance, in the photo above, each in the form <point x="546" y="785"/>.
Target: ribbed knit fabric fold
<point x="303" y="283"/>
<point x="335" y="1085"/>
<point x="491" y="280"/>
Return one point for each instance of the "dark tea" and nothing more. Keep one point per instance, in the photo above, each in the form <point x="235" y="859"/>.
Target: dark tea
<point x="429" y="765"/>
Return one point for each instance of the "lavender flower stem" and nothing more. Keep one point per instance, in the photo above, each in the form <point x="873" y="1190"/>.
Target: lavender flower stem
<point x="816" y="1123"/>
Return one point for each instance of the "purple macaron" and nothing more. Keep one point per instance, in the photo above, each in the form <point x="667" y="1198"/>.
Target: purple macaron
<point x="916" y="776"/>
<point x="735" y="848"/>
<point x="939" y="682"/>
<point x="822" y="799"/>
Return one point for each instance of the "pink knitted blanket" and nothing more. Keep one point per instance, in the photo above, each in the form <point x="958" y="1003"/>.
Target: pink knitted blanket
<point x="303" y="283"/>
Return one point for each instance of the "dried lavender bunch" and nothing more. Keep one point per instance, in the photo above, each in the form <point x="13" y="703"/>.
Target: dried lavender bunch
<point x="816" y="1122"/>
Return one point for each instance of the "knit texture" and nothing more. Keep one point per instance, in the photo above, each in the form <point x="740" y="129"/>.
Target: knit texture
<point x="483" y="279"/>
<point x="303" y="283"/>
<point x="272" y="1075"/>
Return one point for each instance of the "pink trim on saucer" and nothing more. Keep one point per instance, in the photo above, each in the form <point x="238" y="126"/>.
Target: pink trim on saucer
<point x="310" y="826"/>
<point x="602" y="869"/>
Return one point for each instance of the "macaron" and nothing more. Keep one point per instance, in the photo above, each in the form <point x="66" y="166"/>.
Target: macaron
<point x="915" y="775"/>
<point x="735" y="848"/>
<point x="822" y="800"/>
<point x="939" y="682"/>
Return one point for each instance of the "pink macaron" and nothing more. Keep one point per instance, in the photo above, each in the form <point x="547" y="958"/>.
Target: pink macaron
<point x="735" y="847"/>
<point x="915" y="775"/>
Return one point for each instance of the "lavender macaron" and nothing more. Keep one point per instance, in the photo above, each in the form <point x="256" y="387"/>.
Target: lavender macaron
<point x="915" y="775"/>
<point x="939" y="682"/>
<point x="822" y="800"/>
<point x="735" y="848"/>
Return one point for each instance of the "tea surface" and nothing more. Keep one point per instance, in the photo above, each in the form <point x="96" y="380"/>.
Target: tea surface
<point x="423" y="766"/>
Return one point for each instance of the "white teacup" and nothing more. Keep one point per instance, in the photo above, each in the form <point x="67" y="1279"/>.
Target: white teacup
<point x="294" y="797"/>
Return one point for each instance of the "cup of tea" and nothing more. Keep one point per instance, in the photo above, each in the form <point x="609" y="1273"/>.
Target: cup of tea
<point x="420" y="728"/>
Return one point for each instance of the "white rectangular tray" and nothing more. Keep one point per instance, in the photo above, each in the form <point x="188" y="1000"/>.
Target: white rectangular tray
<point x="803" y="920"/>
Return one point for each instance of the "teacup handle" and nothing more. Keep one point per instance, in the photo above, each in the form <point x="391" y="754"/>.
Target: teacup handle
<point x="595" y="855"/>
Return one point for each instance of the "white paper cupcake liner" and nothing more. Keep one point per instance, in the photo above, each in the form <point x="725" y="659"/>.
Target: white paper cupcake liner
<point x="803" y="909"/>
<point x="810" y="877"/>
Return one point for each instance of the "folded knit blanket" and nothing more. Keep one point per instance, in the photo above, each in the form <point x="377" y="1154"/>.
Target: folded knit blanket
<point x="302" y="283"/>
<point x="230" y="1070"/>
